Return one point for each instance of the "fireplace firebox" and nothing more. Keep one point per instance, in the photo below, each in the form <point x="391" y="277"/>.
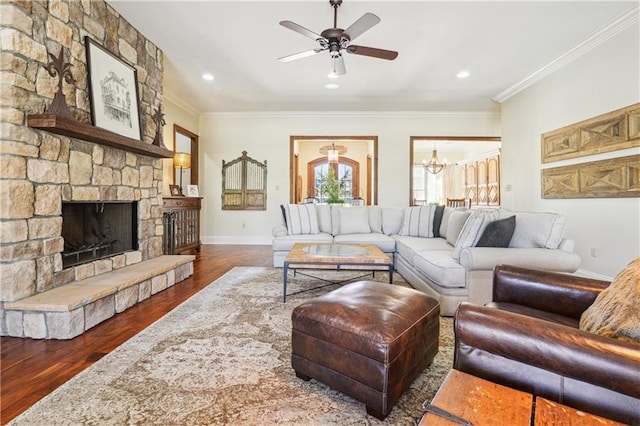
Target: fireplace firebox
<point x="95" y="230"/>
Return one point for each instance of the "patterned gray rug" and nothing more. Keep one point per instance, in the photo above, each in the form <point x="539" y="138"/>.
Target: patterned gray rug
<point x="223" y="357"/>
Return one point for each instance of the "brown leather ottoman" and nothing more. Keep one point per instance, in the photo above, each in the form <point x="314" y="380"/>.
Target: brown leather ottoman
<point x="368" y="340"/>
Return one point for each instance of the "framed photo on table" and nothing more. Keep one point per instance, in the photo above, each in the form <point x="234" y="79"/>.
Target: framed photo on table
<point x="192" y="191"/>
<point x="175" y="190"/>
<point x="113" y="91"/>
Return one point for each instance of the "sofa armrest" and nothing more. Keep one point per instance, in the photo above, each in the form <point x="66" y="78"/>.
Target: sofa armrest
<point x="564" y="364"/>
<point x="487" y="258"/>
<point x="562" y="294"/>
<point x="279" y="231"/>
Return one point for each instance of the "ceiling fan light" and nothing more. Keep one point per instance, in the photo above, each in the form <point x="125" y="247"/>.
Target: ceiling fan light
<point x="333" y="74"/>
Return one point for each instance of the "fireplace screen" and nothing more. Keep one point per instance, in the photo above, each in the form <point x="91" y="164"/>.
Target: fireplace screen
<point x="97" y="230"/>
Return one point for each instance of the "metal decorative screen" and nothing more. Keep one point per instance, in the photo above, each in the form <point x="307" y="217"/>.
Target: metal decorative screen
<point x="244" y="184"/>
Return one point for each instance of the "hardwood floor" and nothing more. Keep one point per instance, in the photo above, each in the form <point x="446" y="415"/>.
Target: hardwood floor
<point x="31" y="369"/>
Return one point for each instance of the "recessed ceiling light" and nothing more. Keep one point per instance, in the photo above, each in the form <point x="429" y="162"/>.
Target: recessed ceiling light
<point x="463" y="74"/>
<point x="331" y="86"/>
<point x="207" y="76"/>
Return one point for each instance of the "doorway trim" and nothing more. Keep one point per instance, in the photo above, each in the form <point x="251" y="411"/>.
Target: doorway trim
<point x="294" y="167"/>
<point x="412" y="139"/>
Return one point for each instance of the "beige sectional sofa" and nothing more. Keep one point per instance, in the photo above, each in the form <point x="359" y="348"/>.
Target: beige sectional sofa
<point x="436" y="248"/>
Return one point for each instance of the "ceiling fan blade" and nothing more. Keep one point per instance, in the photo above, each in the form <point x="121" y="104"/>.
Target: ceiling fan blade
<point x="301" y="30"/>
<point x="365" y="22"/>
<point x="372" y="51"/>
<point x="337" y="66"/>
<point x="300" y="55"/>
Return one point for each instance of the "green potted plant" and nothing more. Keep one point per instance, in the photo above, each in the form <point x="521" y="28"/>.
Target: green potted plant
<point x="332" y="187"/>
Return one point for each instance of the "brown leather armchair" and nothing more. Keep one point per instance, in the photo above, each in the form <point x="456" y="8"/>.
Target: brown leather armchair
<point x="527" y="338"/>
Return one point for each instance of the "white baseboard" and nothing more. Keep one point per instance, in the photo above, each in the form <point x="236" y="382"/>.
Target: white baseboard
<point x="249" y="240"/>
<point x="589" y="274"/>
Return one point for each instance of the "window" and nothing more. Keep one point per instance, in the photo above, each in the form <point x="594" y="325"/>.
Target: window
<point x="347" y="171"/>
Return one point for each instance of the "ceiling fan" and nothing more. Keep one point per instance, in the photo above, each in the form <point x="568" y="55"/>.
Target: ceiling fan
<point x="336" y="40"/>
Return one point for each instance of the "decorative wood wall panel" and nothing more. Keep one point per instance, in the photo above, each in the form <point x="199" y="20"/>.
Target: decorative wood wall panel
<point x="244" y="184"/>
<point x="482" y="181"/>
<point x="614" y="178"/>
<point x="613" y="131"/>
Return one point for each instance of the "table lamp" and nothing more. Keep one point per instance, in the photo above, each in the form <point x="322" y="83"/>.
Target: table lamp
<point x="183" y="161"/>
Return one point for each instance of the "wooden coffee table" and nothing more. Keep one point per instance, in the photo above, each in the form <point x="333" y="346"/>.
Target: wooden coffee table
<point x="338" y="257"/>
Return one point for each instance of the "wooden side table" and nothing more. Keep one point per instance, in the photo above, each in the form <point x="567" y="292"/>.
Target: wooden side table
<point x="480" y="402"/>
<point x="181" y="220"/>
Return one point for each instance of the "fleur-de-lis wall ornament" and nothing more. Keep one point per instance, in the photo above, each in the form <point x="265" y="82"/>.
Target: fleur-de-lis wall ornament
<point x="58" y="67"/>
<point x="158" y="118"/>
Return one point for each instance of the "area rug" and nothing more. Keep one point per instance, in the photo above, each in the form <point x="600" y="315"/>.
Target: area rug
<point x="223" y="357"/>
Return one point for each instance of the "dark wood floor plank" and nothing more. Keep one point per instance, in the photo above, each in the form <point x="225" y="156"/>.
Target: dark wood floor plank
<point x="31" y="369"/>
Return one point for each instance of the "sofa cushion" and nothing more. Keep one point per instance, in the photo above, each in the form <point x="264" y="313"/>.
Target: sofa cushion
<point x="418" y="221"/>
<point x="384" y="242"/>
<point x="535" y="229"/>
<point x="391" y="220"/>
<point x="324" y="218"/>
<point x="498" y="233"/>
<point x="455" y="222"/>
<point x="473" y="229"/>
<point x="353" y="220"/>
<point x="615" y="311"/>
<point x="406" y="246"/>
<point x="439" y="267"/>
<point x="375" y="219"/>
<point x="301" y="219"/>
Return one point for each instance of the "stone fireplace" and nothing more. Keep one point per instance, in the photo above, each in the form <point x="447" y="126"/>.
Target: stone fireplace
<point x="47" y="175"/>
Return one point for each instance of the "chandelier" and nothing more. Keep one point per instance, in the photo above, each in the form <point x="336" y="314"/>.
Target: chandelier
<point x="434" y="166"/>
<point x="333" y="152"/>
<point x="333" y="155"/>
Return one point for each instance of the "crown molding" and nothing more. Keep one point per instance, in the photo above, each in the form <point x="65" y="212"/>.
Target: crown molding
<point x="177" y="101"/>
<point x="610" y="30"/>
<point x="353" y="114"/>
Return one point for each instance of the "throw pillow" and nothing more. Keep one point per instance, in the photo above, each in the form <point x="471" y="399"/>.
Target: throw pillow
<point x="498" y="233"/>
<point x="437" y="221"/>
<point x="615" y="311"/>
<point x="473" y="229"/>
<point x="354" y="220"/>
<point x="418" y="221"/>
<point x="455" y="222"/>
<point x="301" y="219"/>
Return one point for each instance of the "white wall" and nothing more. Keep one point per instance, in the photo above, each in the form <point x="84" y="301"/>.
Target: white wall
<point x="175" y="113"/>
<point x="265" y="136"/>
<point x="604" y="79"/>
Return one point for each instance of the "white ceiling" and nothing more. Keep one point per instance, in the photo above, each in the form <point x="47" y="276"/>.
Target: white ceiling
<point x="503" y="44"/>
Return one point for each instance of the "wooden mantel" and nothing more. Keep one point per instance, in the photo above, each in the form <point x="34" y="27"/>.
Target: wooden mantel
<point x="66" y="126"/>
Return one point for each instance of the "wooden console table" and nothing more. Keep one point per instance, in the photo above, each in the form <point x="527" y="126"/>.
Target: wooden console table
<point x="181" y="221"/>
<point x="482" y="403"/>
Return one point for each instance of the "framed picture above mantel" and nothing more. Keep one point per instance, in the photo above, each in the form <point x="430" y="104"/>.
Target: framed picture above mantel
<point x="113" y="90"/>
